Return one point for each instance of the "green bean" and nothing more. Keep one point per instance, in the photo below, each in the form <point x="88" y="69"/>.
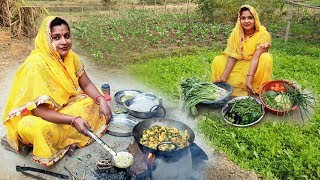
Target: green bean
<point x="247" y="109"/>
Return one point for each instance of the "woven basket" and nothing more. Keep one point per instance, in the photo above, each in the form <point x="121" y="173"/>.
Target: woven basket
<point x="267" y="87"/>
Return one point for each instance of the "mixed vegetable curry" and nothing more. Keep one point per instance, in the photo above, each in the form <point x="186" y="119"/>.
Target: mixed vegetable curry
<point x="155" y="135"/>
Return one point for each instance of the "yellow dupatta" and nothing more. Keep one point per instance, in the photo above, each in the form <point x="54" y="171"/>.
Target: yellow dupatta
<point x="237" y="48"/>
<point x="42" y="78"/>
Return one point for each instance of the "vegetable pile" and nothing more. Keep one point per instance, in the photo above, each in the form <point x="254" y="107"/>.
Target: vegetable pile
<point x="283" y="96"/>
<point x="243" y="111"/>
<point x="155" y="135"/>
<point x="195" y="91"/>
<point x="277" y="101"/>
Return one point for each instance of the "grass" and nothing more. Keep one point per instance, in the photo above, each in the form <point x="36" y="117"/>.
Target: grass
<point x="299" y="61"/>
<point x="275" y="150"/>
<point x="162" y="50"/>
<point x="314" y="2"/>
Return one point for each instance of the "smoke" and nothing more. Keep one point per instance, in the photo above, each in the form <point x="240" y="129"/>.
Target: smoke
<point x="168" y="169"/>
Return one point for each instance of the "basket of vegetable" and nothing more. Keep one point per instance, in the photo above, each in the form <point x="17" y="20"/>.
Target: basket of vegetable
<point x="275" y="98"/>
<point x="243" y="111"/>
<point x="195" y="91"/>
<point x="281" y="97"/>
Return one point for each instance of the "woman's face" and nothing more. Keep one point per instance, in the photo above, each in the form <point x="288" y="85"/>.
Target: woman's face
<point x="61" y="38"/>
<point x="247" y="21"/>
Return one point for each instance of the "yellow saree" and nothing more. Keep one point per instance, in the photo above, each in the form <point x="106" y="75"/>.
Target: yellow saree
<point x="45" y="78"/>
<point x="242" y="50"/>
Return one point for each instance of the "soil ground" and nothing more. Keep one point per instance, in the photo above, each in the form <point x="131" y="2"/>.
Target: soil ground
<point x="12" y="53"/>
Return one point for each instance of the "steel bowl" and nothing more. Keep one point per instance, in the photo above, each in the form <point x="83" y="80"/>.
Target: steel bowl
<point x="145" y="105"/>
<point x="121" y="96"/>
<point x="225" y="107"/>
<point x="218" y="103"/>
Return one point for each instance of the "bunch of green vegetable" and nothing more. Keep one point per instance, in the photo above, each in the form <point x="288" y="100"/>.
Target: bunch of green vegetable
<point x="243" y="111"/>
<point x="195" y="91"/>
<point x="300" y="98"/>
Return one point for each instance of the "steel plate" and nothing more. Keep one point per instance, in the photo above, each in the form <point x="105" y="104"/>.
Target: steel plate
<point x="122" y="125"/>
<point x="224" y="109"/>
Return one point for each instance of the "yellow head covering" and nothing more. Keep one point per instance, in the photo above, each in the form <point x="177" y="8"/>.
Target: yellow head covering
<point x="42" y="78"/>
<point x="236" y="39"/>
<point x="42" y="40"/>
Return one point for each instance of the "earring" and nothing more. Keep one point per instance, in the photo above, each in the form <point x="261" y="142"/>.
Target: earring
<point x="53" y="46"/>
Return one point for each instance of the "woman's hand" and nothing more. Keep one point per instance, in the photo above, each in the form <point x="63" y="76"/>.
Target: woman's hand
<point x="88" y="87"/>
<point x="221" y="79"/>
<point x="250" y="89"/>
<point x="104" y="110"/>
<point x="81" y="126"/>
<point x="227" y="70"/>
<point x="264" y="46"/>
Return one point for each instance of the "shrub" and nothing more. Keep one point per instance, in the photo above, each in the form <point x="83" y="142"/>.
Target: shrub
<point x="108" y="2"/>
<point x="226" y="10"/>
<point x="151" y="2"/>
<point x="161" y="2"/>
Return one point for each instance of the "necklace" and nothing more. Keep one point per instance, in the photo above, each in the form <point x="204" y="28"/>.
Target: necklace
<point x="248" y="37"/>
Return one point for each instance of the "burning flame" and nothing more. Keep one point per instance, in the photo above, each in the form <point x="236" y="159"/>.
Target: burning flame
<point x="150" y="159"/>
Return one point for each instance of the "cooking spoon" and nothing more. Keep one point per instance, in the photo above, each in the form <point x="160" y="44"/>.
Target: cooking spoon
<point x="120" y="159"/>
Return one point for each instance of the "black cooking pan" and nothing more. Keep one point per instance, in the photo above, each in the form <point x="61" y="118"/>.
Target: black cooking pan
<point x="146" y="124"/>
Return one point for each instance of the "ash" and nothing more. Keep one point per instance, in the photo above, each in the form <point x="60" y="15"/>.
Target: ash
<point x="113" y="173"/>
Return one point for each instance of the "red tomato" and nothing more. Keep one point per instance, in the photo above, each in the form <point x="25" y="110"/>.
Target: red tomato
<point x="277" y="89"/>
<point x="272" y="88"/>
<point x="277" y="85"/>
<point x="282" y="88"/>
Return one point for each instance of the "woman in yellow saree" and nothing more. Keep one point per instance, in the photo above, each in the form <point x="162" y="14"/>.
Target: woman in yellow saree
<point x="45" y="108"/>
<point x="245" y="63"/>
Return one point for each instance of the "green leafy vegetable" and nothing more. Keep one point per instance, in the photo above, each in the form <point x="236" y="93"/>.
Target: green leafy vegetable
<point x="300" y="98"/>
<point x="195" y="91"/>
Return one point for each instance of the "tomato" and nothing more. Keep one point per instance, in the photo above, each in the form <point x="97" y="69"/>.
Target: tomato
<point x="272" y="88"/>
<point x="277" y="89"/>
<point x="277" y="85"/>
<point x="282" y="88"/>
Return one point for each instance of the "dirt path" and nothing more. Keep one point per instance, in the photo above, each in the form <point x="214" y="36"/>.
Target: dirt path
<point x="13" y="53"/>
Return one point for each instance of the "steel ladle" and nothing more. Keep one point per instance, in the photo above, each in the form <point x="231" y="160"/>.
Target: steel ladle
<point x="120" y="159"/>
